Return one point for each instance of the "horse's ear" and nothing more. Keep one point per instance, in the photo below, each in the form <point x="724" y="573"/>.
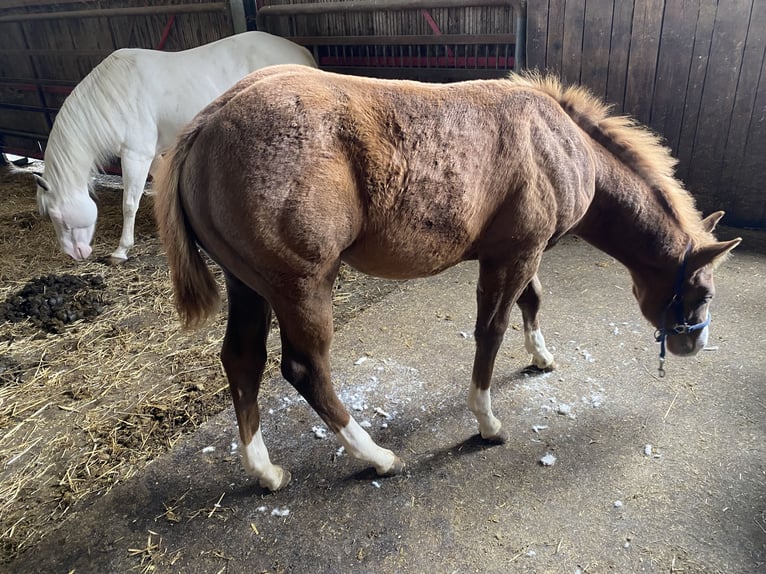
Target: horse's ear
<point x="712" y="254"/>
<point x="712" y="220"/>
<point x="41" y="182"/>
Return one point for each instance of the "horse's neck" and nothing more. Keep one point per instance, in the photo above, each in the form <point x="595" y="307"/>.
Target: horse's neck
<point x="627" y="221"/>
<point x="72" y="154"/>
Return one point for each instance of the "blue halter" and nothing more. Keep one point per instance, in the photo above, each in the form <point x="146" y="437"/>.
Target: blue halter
<point x="676" y="305"/>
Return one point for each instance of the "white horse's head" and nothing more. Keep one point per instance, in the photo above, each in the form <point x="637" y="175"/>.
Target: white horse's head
<point x="73" y="214"/>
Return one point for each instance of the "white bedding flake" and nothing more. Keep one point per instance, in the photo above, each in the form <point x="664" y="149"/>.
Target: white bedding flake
<point x="280" y="512"/>
<point x="548" y="460"/>
<point x="564" y="409"/>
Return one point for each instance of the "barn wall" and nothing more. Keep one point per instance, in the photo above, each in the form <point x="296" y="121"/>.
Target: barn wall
<point x="436" y="40"/>
<point x="690" y="69"/>
<point x="46" y="48"/>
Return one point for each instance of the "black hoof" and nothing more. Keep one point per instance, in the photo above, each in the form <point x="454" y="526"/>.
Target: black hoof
<point x="535" y="370"/>
<point x="500" y="437"/>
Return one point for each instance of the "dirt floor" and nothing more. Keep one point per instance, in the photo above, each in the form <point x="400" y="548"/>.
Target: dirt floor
<point x="647" y="474"/>
<point x="95" y="378"/>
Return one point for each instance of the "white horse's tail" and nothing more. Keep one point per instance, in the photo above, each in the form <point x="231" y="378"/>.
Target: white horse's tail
<point x="196" y="290"/>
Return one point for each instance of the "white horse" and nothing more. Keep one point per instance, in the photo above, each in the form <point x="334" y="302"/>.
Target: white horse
<point x="132" y="106"/>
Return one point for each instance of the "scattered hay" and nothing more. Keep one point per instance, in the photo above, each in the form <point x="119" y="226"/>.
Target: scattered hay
<point x="88" y="401"/>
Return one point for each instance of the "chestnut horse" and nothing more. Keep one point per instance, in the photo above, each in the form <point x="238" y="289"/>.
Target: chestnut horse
<point x="294" y="170"/>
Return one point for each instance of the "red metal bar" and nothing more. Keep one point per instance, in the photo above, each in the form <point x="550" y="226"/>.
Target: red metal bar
<point x="434" y="27"/>
<point x="166" y="32"/>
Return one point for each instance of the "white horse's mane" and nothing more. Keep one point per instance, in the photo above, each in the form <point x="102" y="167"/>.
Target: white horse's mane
<point x="82" y="139"/>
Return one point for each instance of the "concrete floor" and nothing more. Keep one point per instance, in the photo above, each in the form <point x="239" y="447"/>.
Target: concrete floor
<point x="695" y="503"/>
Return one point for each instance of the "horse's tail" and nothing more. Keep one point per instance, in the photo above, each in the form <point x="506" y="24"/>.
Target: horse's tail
<point x="196" y="290"/>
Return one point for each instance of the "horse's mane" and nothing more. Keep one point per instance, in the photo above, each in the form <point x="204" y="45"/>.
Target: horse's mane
<point x="91" y="118"/>
<point x="635" y="145"/>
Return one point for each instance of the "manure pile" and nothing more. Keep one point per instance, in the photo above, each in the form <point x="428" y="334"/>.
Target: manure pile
<point x="53" y="301"/>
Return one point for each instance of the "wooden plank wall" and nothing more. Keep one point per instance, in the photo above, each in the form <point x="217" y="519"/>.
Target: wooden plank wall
<point x="439" y="40"/>
<point x="693" y="70"/>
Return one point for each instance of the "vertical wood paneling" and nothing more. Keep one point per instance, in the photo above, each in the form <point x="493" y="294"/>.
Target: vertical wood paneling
<point x="622" y="22"/>
<point x="555" y="40"/>
<point x="574" y="17"/>
<point x="727" y="48"/>
<point x="596" y="43"/>
<point x="642" y="63"/>
<point x="702" y="36"/>
<point x="537" y="34"/>
<point x="744" y="158"/>
<point x="673" y="67"/>
<point x="748" y="207"/>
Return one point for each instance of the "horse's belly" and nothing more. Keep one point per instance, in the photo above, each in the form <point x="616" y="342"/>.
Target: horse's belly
<point x="401" y="262"/>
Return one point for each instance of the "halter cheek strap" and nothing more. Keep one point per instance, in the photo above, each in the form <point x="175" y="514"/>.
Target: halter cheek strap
<point x="676" y="306"/>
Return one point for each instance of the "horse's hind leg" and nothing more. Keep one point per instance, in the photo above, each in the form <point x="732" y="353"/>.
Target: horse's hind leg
<point x="534" y="342"/>
<point x="244" y="357"/>
<point x="135" y="170"/>
<point x="499" y="286"/>
<point x="305" y="324"/>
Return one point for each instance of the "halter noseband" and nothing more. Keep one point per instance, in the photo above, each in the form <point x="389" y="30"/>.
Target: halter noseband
<point x="676" y="305"/>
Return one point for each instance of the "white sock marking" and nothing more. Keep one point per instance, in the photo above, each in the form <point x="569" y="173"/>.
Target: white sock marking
<point x="534" y="343"/>
<point x="480" y="403"/>
<point x="360" y="445"/>
<point x="255" y="459"/>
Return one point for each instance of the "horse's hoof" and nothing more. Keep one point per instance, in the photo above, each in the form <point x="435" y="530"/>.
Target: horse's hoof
<point x="535" y="368"/>
<point x="500" y="437"/>
<point x="112" y="260"/>
<point x="286" y="478"/>
<point x="396" y="469"/>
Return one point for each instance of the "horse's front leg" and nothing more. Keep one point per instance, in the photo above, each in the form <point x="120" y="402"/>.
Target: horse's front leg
<point x="498" y="288"/>
<point x="135" y="170"/>
<point x="534" y="342"/>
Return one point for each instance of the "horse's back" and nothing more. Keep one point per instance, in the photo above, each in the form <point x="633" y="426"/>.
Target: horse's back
<point x="404" y="177"/>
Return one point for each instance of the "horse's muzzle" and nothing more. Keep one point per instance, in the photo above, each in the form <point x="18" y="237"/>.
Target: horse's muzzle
<point x="687" y="344"/>
<point x="80" y="252"/>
